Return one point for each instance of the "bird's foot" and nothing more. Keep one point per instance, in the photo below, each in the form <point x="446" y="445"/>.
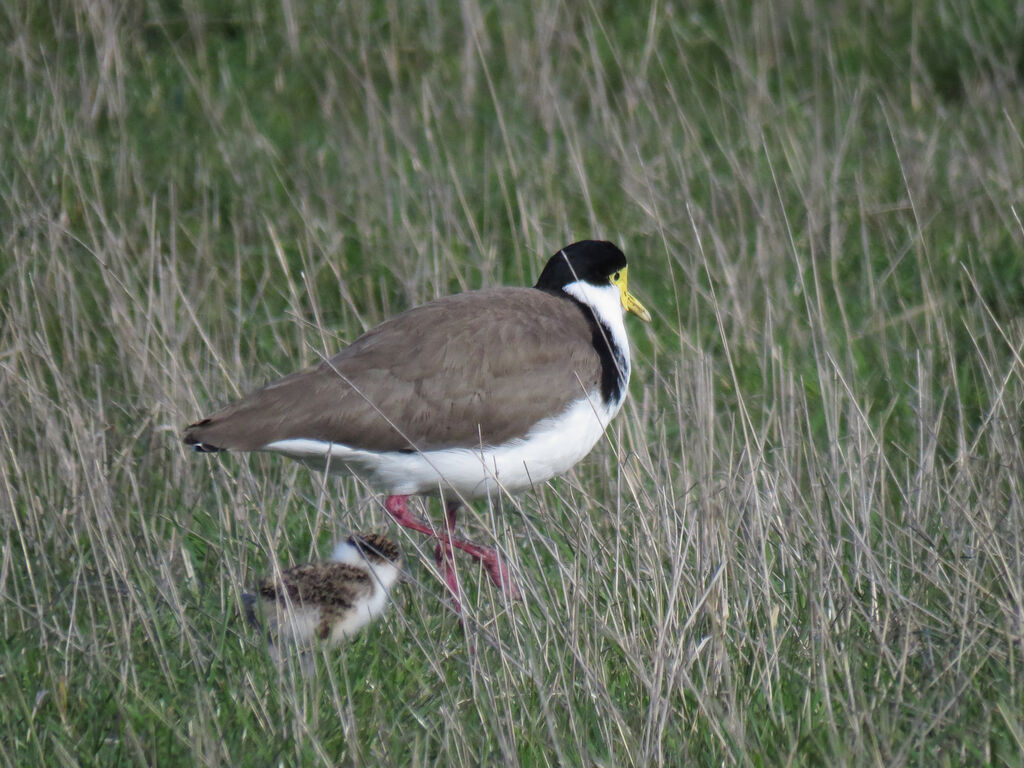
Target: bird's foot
<point x="497" y="568"/>
<point x="499" y="572"/>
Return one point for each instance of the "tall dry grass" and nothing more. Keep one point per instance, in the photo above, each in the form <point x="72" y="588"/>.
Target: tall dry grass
<point x="800" y="542"/>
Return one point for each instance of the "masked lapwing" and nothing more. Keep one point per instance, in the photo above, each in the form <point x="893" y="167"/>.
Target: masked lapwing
<point x="466" y="395"/>
<point x="328" y="601"/>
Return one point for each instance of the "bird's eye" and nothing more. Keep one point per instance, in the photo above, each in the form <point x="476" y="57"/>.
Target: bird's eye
<point x="615" y="277"/>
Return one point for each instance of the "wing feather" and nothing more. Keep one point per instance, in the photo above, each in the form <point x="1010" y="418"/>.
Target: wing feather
<point x="476" y="368"/>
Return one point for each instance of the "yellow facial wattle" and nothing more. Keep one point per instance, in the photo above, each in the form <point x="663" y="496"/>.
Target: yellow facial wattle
<point x="629" y="302"/>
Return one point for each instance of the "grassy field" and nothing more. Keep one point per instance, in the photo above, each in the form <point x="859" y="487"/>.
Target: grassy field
<point x="802" y="542"/>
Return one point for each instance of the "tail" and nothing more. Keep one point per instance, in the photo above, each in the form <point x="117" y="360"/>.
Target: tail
<point x="250" y="605"/>
<point x="271" y="413"/>
<point x="193" y="437"/>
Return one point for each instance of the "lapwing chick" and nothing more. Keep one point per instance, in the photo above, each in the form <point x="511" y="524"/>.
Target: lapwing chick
<point x="329" y="601"/>
<point x="465" y="396"/>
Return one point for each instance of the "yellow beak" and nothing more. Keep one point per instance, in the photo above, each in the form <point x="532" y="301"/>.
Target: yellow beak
<point x="629" y="301"/>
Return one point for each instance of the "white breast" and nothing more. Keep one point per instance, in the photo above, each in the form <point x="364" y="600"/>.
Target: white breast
<point x="606" y="302"/>
<point x="384" y="576"/>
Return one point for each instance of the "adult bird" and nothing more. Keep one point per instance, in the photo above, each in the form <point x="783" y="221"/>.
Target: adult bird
<point x="482" y="391"/>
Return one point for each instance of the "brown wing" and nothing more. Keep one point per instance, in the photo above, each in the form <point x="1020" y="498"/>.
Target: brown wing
<point x="479" y="367"/>
<point x="329" y="584"/>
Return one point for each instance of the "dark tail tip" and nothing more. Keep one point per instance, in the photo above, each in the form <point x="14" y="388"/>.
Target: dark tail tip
<point x="204" y="447"/>
<point x="189" y="438"/>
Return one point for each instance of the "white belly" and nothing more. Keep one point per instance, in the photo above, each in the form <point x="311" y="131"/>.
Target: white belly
<point x="551" y="447"/>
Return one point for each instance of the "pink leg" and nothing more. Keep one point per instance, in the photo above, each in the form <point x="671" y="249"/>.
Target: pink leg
<point x="398" y="508"/>
<point x="446" y="559"/>
<point x="498" y="571"/>
<point x="496" y="567"/>
<point x="446" y="564"/>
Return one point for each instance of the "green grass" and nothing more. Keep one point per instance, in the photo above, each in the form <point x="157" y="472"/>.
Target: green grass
<point x="801" y="543"/>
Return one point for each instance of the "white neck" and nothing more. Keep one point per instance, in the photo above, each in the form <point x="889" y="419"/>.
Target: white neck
<point x="348" y="553"/>
<point x="385" y="571"/>
<point x="606" y="303"/>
